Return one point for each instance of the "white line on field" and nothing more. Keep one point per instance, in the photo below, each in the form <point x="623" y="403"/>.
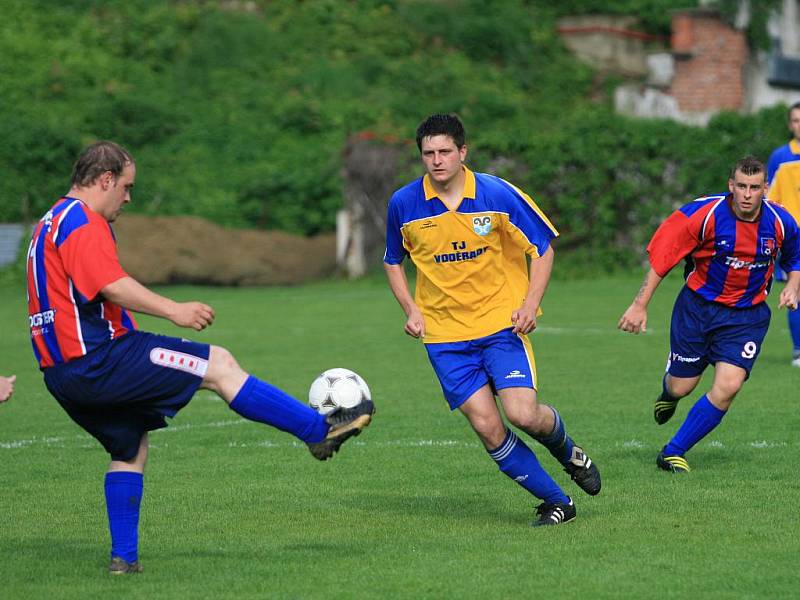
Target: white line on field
<point x="83" y="440"/>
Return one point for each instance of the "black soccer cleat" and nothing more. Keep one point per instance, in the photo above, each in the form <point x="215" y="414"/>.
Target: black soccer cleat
<point x="673" y="464"/>
<point x="664" y="409"/>
<point x="344" y="424"/>
<point x="554" y="513"/>
<point x="120" y="566"/>
<point x="583" y="471"/>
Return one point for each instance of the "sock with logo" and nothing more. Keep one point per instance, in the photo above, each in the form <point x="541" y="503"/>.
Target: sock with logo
<point x="794" y="330"/>
<point x="519" y="462"/>
<point x="124" y="491"/>
<point x="557" y="441"/>
<point x="701" y="420"/>
<point x="262" y="402"/>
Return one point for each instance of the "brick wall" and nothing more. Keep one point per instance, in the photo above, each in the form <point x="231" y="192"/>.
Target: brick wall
<point x="710" y="59"/>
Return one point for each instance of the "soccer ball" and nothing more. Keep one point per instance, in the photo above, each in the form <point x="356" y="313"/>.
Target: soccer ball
<point x="335" y="388"/>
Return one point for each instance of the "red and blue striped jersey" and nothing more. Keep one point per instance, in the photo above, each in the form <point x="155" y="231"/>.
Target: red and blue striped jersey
<point x="728" y="260"/>
<point x="71" y="257"/>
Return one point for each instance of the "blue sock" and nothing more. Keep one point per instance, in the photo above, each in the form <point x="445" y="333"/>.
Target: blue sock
<point x="519" y="462"/>
<point x="557" y="441"/>
<point x="701" y="420"/>
<point x="262" y="402"/>
<point x="794" y="329"/>
<point x="123" y="497"/>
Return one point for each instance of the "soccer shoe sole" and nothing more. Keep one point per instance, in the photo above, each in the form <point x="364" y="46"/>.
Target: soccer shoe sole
<point x="672" y="464"/>
<point x="336" y="437"/>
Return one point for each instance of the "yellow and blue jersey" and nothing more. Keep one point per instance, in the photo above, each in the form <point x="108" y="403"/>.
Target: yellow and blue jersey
<point x="783" y="177"/>
<point x="472" y="271"/>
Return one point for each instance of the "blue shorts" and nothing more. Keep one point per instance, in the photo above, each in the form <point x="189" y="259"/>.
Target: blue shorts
<point x="127" y="386"/>
<point x="503" y="359"/>
<point x="705" y="332"/>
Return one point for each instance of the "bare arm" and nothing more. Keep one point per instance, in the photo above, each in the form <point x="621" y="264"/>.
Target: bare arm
<point x="634" y="320"/>
<point x="415" y="324"/>
<point x="791" y="291"/>
<point x="130" y="294"/>
<point x="524" y="318"/>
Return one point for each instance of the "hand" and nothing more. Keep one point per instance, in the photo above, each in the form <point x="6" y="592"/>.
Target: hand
<point x="194" y="315"/>
<point x="634" y="320"/>
<point x="6" y="387"/>
<point x="415" y="325"/>
<point x="789" y="298"/>
<point x="524" y="319"/>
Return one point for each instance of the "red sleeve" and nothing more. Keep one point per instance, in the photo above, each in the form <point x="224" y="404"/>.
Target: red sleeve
<point x="90" y="258"/>
<point x="673" y="241"/>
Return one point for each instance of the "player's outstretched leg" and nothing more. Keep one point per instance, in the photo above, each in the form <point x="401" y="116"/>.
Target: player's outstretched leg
<point x="703" y="417"/>
<point x="343" y="424"/>
<point x="257" y="400"/>
<point x="575" y="461"/>
<point x="665" y="404"/>
<point x="519" y="463"/>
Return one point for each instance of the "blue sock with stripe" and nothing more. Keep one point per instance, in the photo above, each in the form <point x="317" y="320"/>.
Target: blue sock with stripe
<point x="124" y="491"/>
<point x="557" y="441"/>
<point x="703" y="417"/>
<point x="519" y="462"/>
<point x="794" y="329"/>
<point x="262" y="402"/>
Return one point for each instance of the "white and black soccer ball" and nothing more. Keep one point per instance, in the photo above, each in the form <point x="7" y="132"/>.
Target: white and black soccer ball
<point x="335" y="388"/>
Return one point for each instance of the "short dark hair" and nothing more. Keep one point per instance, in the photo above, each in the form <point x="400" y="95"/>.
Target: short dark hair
<point x="749" y="165"/>
<point x="794" y="106"/>
<point x="98" y="158"/>
<point x="442" y="124"/>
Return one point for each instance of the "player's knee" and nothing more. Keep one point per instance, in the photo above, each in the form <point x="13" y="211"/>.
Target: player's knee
<point x="529" y="418"/>
<point x="221" y="364"/>
<point x="220" y="359"/>
<point x="723" y="393"/>
<point x="491" y="430"/>
<point x="679" y="387"/>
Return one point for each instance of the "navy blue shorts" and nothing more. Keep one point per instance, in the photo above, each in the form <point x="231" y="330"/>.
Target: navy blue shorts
<point x="705" y="332"/>
<point x="503" y="359"/>
<point x="127" y="386"/>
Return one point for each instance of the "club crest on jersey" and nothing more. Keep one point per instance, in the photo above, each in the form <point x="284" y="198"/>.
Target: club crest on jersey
<point x="482" y="225"/>
<point x="768" y="246"/>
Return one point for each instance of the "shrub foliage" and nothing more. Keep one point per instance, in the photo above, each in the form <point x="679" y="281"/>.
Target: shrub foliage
<point x="238" y="111"/>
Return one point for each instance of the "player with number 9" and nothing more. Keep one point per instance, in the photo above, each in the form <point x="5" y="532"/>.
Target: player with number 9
<point x="730" y="243"/>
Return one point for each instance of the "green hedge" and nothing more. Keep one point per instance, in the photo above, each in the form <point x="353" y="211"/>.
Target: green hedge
<point x="240" y="115"/>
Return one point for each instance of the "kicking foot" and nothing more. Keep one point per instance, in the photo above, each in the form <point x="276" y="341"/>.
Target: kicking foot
<point x="344" y="424"/>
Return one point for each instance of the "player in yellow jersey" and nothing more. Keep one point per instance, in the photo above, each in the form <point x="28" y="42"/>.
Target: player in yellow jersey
<point x="783" y="179"/>
<point x="469" y="235"/>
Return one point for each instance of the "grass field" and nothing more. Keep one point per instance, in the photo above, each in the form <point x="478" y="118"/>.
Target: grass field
<point x="413" y="508"/>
